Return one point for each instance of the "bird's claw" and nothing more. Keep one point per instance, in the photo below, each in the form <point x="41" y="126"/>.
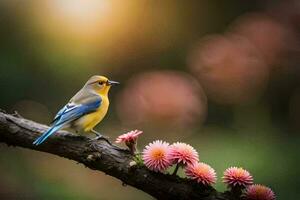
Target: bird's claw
<point x="101" y="137"/>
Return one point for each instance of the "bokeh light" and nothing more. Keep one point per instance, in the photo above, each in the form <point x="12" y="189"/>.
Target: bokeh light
<point x="162" y="98"/>
<point x="229" y="68"/>
<point x="270" y="37"/>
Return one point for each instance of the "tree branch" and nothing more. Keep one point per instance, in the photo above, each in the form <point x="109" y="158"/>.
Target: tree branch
<point x="101" y="156"/>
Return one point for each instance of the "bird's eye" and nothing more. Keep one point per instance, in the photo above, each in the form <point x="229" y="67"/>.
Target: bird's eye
<point x="101" y="82"/>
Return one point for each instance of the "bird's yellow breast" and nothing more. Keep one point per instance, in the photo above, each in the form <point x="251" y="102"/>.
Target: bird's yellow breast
<point x="89" y="121"/>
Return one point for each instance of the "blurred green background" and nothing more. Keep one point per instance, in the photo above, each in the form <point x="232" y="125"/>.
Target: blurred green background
<point x="222" y="76"/>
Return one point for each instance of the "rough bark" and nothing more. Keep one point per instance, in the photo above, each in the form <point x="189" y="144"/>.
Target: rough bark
<point x="102" y="156"/>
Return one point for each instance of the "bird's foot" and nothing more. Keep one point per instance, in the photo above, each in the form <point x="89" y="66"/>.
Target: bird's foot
<point x="100" y="137"/>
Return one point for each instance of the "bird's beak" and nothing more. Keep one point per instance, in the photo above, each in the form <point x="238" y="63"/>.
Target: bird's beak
<point x="109" y="82"/>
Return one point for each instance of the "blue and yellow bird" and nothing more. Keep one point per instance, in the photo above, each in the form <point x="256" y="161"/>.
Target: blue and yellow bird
<point x="84" y="110"/>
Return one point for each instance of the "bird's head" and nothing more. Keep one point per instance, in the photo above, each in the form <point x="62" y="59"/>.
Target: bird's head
<point x="100" y="84"/>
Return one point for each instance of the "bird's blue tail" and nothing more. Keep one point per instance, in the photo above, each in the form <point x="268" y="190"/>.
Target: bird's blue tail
<point x="45" y="135"/>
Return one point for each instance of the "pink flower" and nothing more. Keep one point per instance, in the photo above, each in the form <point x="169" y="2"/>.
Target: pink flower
<point x="235" y="176"/>
<point x="259" y="192"/>
<point x="130" y="139"/>
<point x="202" y="173"/>
<point x="156" y="156"/>
<point x="182" y="153"/>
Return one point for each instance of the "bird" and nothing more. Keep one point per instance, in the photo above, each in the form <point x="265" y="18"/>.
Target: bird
<point x="84" y="110"/>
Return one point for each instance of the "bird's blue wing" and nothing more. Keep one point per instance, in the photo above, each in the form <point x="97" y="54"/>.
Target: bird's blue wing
<point x="61" y="111"/>
<point x="69" y="113"/>
<point x="69" y="108"/>
<point x="75" y="111"/>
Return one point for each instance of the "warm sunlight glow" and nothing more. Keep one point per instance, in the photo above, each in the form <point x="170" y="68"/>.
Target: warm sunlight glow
<point x="83" y="12"/>
<point x="83" y="17"/>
